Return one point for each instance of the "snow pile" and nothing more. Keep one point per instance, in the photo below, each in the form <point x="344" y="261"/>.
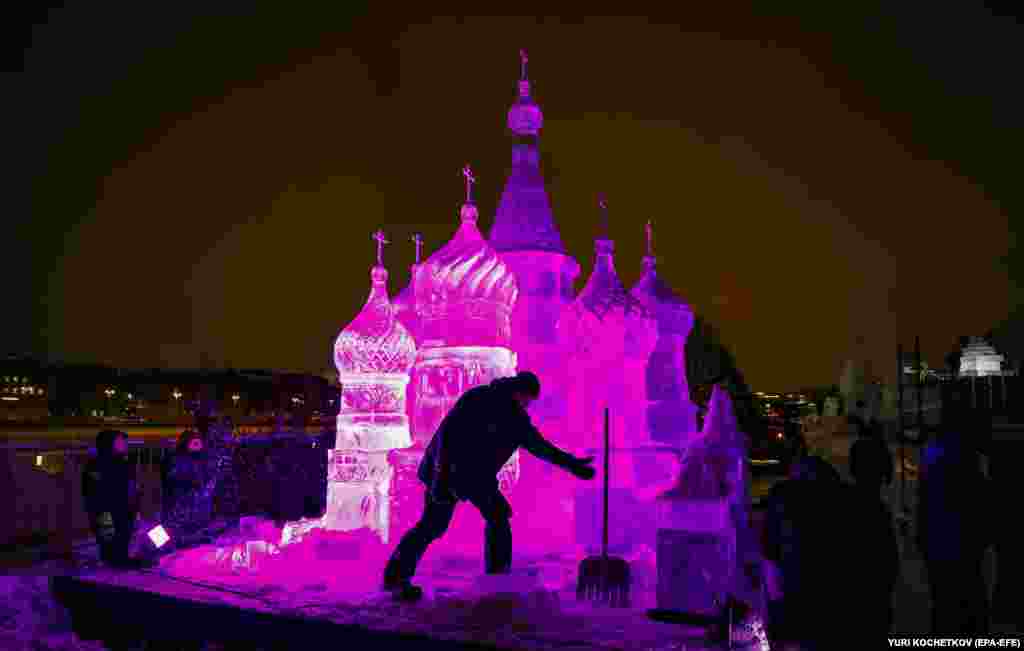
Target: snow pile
<point x="30" y="618"/>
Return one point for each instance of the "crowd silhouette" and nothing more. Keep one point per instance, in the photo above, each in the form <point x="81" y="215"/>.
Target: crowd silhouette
<point x="834" y="547"/>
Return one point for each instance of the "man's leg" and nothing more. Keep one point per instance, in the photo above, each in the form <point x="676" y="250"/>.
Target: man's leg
<point x="433" y="523"/>
<point x="498" y="534"/>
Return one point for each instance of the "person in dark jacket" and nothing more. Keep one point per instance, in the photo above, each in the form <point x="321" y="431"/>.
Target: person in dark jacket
<point x="461" y="463"/>
<point x="871" y="463"/>
<point x="954" y="527"/>
<point x="812" y="528"/>
<point x="189" y="481"/>
<point x="111" y="498"/>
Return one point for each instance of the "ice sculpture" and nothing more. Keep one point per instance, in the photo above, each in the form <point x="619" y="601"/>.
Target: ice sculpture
<point x="464" y="297"/>
<point x="609" y="335"/>
<point x="671" y="416"/>
<point x="373" y="356"/>
<point x="527" y="239"/>
<point x="704" y="533"/>
<point x="598" y="330"/>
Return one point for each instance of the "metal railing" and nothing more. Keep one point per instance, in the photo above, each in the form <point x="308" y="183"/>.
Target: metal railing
<point x="47" y="487"/>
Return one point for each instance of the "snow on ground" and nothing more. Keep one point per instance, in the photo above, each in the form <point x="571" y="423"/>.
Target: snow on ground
<point x="336" y="576"/>
<point x="29" y="616"/>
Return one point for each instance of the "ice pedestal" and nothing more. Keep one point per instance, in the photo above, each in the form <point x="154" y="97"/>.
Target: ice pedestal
<point x="358" y="490"/>
<point x="694" y="569"/>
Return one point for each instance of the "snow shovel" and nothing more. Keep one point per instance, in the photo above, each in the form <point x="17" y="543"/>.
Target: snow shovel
<point x="602" y="578"/>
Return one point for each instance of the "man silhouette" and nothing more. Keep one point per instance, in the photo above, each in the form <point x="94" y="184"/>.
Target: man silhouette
<point x="473" y="442"/>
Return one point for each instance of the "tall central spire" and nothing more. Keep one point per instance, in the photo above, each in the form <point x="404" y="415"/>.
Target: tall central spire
<point x="524" y="221"/>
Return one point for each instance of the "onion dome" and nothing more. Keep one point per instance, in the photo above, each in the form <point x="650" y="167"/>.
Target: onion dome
<point x="604" y="318"/>
<point x="525" y="117"/>
<point x="523" y="220"/>
<point x="672" y="312"/>
<point x="375" y="343"/>
<point x="464" y="292"/>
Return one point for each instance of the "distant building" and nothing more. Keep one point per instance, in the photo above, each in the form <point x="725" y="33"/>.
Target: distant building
<point x="979" y="359"/>
<point x="24" y="389"/>
<point x="31" y="390"/>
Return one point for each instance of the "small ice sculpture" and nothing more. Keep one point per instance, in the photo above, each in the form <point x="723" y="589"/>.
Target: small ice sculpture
<point x="374" y="355"/>
<point x="701" y="519"/>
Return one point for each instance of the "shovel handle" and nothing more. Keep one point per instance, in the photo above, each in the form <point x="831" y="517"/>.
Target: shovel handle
<point x="607" y="446"/>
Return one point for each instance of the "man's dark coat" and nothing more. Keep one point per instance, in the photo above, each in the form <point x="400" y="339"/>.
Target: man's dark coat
<point x="477" y="437"/>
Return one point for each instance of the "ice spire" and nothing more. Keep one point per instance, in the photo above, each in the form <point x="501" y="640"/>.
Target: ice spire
<point x="469" y="212"/>
<point x="604" y="291"/>
<point x="523" y="221"/>
<point x="379" y="275"/>
<point x="652" y="291"/>
<point x="379" y="236"/>
<point x="417" y="239"/>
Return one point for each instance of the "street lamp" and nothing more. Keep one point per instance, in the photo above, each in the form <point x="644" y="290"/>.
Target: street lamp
<point x="110" y="394"/>
<point x="177" y="398"/>
<point x="235" y="398"/>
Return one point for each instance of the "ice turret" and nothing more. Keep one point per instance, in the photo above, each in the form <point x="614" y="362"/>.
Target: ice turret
<point x="524" y="221"/>
<point x="671" y="415"/>
<point x="373" y="355"/>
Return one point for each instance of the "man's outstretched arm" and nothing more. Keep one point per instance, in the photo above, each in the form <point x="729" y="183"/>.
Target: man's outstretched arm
<point x="538" y="446"/>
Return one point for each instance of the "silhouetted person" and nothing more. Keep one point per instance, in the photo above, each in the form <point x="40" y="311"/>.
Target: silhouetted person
<point x="859" y="418"/>
<point x="189" y="480"/>
<point x="473" y="442"/>
<point x="111" y="498"/>
<point x="877" y="550"/>
<point x="813" y="531"/>
<point x="871" y="463"/>
<point x="954" y="525"/>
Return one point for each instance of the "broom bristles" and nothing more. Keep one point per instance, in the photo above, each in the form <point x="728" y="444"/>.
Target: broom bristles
<point x="604" y="579"/>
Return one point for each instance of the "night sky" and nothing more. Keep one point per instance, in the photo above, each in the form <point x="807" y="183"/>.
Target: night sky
<point x="200" y="188"/>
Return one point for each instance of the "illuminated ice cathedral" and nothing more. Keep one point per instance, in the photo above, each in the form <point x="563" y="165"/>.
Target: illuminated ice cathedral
<point x="483" y="307"/>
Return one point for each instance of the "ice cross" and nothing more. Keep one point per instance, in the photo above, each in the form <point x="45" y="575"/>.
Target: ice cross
<point x="418" y="239"/>
<point x="379" y="236"/>
<point x="470" y="180"/>
<point x="650" y="236"/>
<point x="522" y="62"/>
<point x="602" y="202"/>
